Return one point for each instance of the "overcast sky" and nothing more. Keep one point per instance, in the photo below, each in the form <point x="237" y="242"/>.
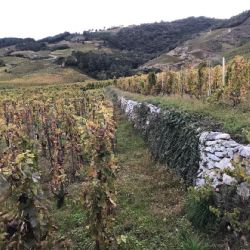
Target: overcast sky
<point x="40" y="18"/>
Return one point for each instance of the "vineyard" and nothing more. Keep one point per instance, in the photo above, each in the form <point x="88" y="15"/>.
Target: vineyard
<point x="122" y="133"/>
<point x="74" y="174"/>
<point x="203" y="83"/>
<point x="50" y="138"/>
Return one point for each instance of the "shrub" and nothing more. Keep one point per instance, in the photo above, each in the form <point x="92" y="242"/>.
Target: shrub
<point x="193" y="244"/>
<point x="2" y="64"/>
<point x="152" y="78"/>
<point x="223" y="209"/>
<point x="198" y="206"/>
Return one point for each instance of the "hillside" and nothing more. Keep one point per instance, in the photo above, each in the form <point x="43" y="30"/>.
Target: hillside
<point x="122" y="51"/>
<point x="153" y="38"/>
<point x="228" y="39"/>
<point x="134" y="45"/>
<point x="26" y="67"/>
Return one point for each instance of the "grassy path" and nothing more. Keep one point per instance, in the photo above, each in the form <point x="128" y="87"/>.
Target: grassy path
<point x="150" y="197"/>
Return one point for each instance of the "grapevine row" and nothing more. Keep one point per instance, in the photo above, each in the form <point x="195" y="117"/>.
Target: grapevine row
<point x="52" y="137"/>
<point x="202" y="82"/>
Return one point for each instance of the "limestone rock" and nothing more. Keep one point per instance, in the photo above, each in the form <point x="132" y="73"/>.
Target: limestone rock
<point x="244" y="190"/>
<point x="213" y="157"/>
<point x="244" y="151"/>
<point x="230" y="144"/>
<point x="220" y="154"/>
<point x="153" y="108"/>
<point x="215" y="178"/>
<point x="210" y="143"/>
<point x="224" y="163"/>
<point x="200" y="182"/>
<point x="222" y="136"/>
<point x="203" y="137"/>
<point x="228" y="180"/>
<point x="230" y="153"/>
<point x="219" y="148"/>
<point x="213" y="136"/>
<point x="210" y="149"/>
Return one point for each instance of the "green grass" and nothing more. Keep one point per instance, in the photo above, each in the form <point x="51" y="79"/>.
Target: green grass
<point x="242" y="50"/>
<point x="193" y="244"/>
<point x="163" y="59"/>
<point x="70" y="221"/>
<point x="150" y="197"/>
<point x="24" y="73"/>
<point x="234" y="120"/>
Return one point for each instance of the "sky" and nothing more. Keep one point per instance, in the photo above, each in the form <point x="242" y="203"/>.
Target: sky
<point x="41" y="18"/>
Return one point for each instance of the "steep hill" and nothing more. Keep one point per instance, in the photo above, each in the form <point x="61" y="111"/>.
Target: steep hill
<point x="228" y="39"/>
<point x="153" y="38"/>
<point x="132" y="46"/>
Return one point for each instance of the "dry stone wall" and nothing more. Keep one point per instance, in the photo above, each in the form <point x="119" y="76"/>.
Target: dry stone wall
<point x="217" y="151"/>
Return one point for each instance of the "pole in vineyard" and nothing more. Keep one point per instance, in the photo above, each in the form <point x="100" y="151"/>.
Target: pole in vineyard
<point x="181" y="81"/>
<point x="209" y="78"/>
<point x="161" y="81"/>
<point x="223" y="71"/>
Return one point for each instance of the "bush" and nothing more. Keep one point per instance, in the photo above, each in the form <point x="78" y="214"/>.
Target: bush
<point x="222" y="209"/>
<point x="59" y="47"/>
<point x="2" y="64"/>
<point x="198" y="206"/>
<point x="30" y="44"/>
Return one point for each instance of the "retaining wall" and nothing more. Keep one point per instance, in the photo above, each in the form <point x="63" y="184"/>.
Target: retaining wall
<point x="199" y="156"/>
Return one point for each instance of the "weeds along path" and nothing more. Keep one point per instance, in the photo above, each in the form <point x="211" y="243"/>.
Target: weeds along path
<point x="150" y="197"/>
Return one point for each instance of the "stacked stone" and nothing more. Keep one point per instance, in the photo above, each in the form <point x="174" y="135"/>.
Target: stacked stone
<point x="128" y="106"/>
<point x="217" y="152"/>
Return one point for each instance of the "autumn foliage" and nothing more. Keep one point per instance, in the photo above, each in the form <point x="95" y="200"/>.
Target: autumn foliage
<point x="52" y="137"/>
<point x="202" y="82"/>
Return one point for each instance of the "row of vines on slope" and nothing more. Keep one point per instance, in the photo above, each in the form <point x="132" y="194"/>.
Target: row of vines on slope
<point x="52" y="137"/>
<point x="203" y="82"/>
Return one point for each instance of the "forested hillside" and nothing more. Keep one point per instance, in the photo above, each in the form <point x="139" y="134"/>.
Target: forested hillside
<point x="153" y="38"/>
<point x="234" y="21"/>
<point x="228" y="39"/>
